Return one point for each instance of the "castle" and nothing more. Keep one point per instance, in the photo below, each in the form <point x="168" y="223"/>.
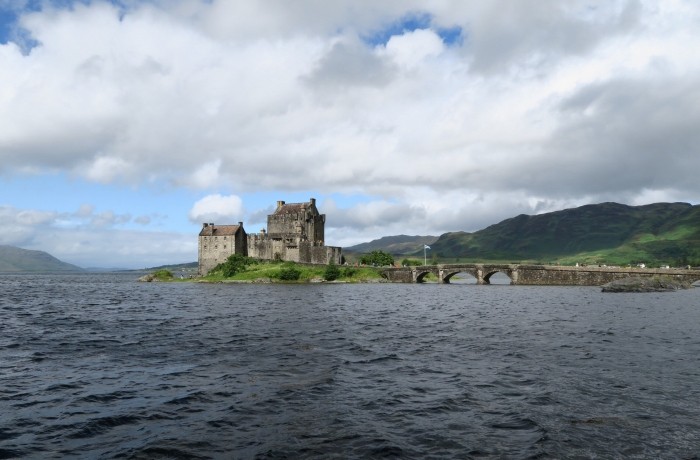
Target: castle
<point x="295" y="233"/>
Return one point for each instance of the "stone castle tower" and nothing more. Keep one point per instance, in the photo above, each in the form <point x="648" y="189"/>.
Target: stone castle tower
<point x="217" y="242"/>
<point x="295" y="233"/>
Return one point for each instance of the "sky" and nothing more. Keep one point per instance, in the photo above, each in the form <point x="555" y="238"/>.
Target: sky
<point x="126" y="124"/>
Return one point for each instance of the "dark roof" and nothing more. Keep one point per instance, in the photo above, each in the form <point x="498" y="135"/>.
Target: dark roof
<point x="291" y="208"/>
<point x="295" y="208"/>
<point x="219" y="230"/>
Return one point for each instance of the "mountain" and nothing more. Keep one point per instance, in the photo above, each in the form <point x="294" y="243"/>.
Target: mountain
<point x="396" y="245"/>
<point x="13" y="259"/>
<point x="612" y="233"/>
<point x="183" y="267"/>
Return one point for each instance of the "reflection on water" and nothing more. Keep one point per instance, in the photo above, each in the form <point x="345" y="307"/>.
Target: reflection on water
<point x="99" y="366"/>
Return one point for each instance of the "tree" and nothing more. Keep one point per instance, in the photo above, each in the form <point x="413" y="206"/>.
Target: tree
<point x="234" y="264"/>
<point x="332" y="272"/>
<point x="379" y="258"/>
<point x="289" y="272"/>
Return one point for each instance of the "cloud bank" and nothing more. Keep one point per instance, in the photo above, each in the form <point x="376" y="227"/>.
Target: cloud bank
<point x="443" y="116"/>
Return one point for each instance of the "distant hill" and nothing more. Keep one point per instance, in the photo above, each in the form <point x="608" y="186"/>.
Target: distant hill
<point x="609" y="233"/>
<point x="13" y="259"/>
<point x="612" y="233"/>
<point x="396" y="245"/>
<point x="189" y="266"/>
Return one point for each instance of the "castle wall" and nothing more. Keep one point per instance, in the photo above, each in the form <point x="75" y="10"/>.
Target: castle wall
<point x="316" y="228"/>
<point x="286" y="225"/>
<point x="325" y="255"/>
<point x="214" y="250"/>
<point x="261" y="246"/>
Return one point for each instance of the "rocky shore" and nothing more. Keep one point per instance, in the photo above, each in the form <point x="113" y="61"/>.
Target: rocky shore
<point x="646" y="284"/>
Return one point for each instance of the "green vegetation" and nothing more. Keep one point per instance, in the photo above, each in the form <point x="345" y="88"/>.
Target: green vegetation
<point x="290" y="272"/>
<point x="411" y="263"/>
<point x="189" y="266"/>
<point x="234" y="264"/>
<point x="608" y="233"/>
<point x="332" y="272"/>
<point x="159" y="275"/>
<point x="397" y="245"/>
<point x="377" y="258"/>
<point x="163" y="275"/>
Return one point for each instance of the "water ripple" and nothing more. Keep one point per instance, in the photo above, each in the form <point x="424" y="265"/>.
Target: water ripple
<point x="98" y="366"/>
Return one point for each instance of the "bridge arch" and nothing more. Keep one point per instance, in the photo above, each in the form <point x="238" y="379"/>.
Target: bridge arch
<point x="419" y="275"/>
<point x="506" y="272"/>
<point x="448" y="275"/>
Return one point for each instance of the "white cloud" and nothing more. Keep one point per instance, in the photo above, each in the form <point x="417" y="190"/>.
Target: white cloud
<point x="87" y="239"/>
<point x="412" y="48"/>
<point x="281" y="101"/>
<point x="217" y="208"/>
<point x="105" y="169"/>
<point x="541" y="105"/>
<point x="33" y="217"/>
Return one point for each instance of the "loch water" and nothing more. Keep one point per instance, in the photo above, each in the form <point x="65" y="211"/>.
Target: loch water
<point x="101" y="366"/>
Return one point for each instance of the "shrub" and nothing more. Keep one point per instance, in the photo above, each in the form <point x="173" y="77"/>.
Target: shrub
<point x="163" y="274"/>
<point x="411" y="262"/>
<point x="289" y="273"/>
<point x="379" y="258"/>
<point x="234" y="264"/>
<point x="332" y="272"/>
<point x="349" y="272"/>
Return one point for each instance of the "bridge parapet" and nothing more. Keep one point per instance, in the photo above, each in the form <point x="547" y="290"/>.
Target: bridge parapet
<point x="555" y="275"/>
<point x="544" y="275"/>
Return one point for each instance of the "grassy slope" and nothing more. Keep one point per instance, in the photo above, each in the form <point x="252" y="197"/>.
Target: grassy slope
<point x="270" y="271"/>
<point x="397" y="245"/>
<point x="604" y="233"/>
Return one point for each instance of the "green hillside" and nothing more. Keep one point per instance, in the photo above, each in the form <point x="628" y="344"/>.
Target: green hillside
<point x="398" y="245"/>
<point x="610" y="233"/>
<point x="13" y="259"/>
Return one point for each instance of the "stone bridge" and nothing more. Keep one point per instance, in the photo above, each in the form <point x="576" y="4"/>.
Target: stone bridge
<point x="544" y="275"/>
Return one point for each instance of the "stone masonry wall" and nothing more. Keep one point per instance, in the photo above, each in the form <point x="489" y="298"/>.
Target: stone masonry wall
<point x="214" y="250"/>
<point x="539" y="274"/>
<point x="266" y="248"/>
<point x="585" y="276"/>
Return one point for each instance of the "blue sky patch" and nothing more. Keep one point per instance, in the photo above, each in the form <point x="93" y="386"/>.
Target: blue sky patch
<point x="450" y="36"/>
<point x="9" y="30"/>
<point x="8" y="19"/>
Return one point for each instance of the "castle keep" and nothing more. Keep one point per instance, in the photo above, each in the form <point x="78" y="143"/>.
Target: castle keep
<point x="295" y="233"/>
